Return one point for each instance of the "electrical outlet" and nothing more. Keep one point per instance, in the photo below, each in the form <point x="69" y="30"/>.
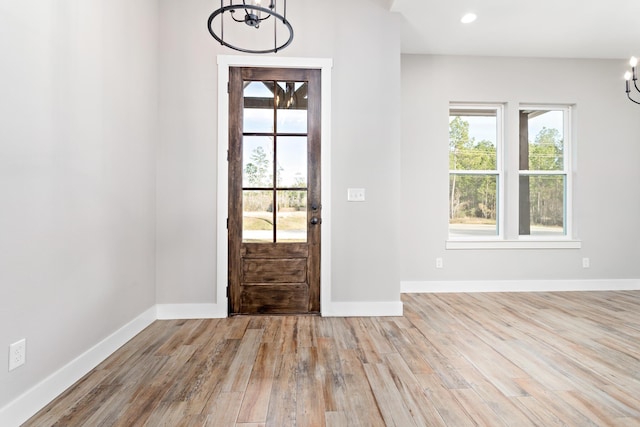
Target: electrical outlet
<point x="439" y="263"/>
<point x="17" y="354"/>
<point x="586" y="263"/>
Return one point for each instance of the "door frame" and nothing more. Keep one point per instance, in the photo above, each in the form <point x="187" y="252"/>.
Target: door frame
<point x="224" y="63"/>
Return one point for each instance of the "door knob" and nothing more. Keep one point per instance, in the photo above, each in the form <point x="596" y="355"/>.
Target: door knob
<point x="315" y="221"/>
<point x="314" y="206"/>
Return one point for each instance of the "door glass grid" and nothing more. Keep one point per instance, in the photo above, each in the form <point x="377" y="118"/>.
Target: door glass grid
<point x="274" y="162"/>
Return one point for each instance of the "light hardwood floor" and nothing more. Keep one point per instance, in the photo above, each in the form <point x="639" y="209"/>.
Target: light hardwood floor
<point x="512" y="359"/>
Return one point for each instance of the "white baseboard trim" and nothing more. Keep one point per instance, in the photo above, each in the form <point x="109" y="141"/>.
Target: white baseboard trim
<point x="362" y="309"/>
<point x="407" y="287"/>
<point x="191" y="311"/>
<point x="34" y="399"/>
<point x="334" y="309"/>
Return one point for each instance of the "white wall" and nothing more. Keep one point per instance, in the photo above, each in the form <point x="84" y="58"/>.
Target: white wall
<point x="606" y="179"/>
<point x="78" y="107"/>
<point x="362" y="38"/>
<point x="186" y="173"/>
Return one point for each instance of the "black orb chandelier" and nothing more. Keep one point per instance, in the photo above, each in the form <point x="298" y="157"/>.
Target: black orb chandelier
<point x="631" y="75"/>
<point x="239" y="18"/>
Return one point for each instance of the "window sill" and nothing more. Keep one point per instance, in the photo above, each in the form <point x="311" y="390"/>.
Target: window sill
<point x="513" y="244"/>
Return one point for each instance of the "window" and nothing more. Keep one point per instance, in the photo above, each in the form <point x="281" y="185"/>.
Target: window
<point x="543" y="171"/>
<point x="509" y="181"/>
<point x="474" y="170"/>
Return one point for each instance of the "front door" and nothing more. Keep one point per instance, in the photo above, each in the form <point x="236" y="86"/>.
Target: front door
<point x="274" y="191"/>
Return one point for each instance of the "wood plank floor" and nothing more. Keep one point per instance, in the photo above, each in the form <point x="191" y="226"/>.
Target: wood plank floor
<point x="511" y="359"/>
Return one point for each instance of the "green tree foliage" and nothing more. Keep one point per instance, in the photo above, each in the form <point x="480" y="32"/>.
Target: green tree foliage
<point x="292" y="199"/>
<point x="259" y="174"/>
<point x="546" y="193"/>
<point x="257" y="169"/>
<point x="546" y="151"/>
<point x="472" y="197"/>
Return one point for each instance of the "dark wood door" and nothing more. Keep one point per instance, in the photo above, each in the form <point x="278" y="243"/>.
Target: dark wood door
<point x="275" y="213"/>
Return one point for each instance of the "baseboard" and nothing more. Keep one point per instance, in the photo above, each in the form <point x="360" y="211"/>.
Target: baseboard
<point x="362" y="309"/>
<point x="334" y="309"/>
<point x="191" y="311"/>
<point x="34" y="399"/>
<point x="518" y="286"/>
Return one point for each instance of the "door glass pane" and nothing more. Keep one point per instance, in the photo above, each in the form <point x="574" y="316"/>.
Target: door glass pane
<point x="292" y="107"/>
<point x="544" y="198"/>
<point x="543" y="134"/>
<point x="258" y="107"/>
<point x="472" y="205"/>
<point x="257" y="216"/>
<point x="292" y="162"/>
<point x="257" y="161"/>
<point x="291" y="216"/>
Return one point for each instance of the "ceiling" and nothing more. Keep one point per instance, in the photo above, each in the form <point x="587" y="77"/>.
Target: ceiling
<point x="539" y="28"/>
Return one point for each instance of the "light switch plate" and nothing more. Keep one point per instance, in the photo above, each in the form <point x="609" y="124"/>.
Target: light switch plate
<point x="355" y="194"/>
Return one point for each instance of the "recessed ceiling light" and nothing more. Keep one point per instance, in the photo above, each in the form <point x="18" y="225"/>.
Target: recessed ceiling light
<point x="468" y="18"/>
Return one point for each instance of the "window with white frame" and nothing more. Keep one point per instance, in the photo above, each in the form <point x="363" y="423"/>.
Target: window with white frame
<point x="512" y="186"/>
<point x="544" y="171"/>
<point x="475" y="170"/>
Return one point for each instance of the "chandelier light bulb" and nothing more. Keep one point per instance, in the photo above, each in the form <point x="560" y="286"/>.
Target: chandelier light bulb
<point x="628" y="77"/>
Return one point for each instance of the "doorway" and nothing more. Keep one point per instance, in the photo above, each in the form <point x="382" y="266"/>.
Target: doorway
<point x="274" y="191"/>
